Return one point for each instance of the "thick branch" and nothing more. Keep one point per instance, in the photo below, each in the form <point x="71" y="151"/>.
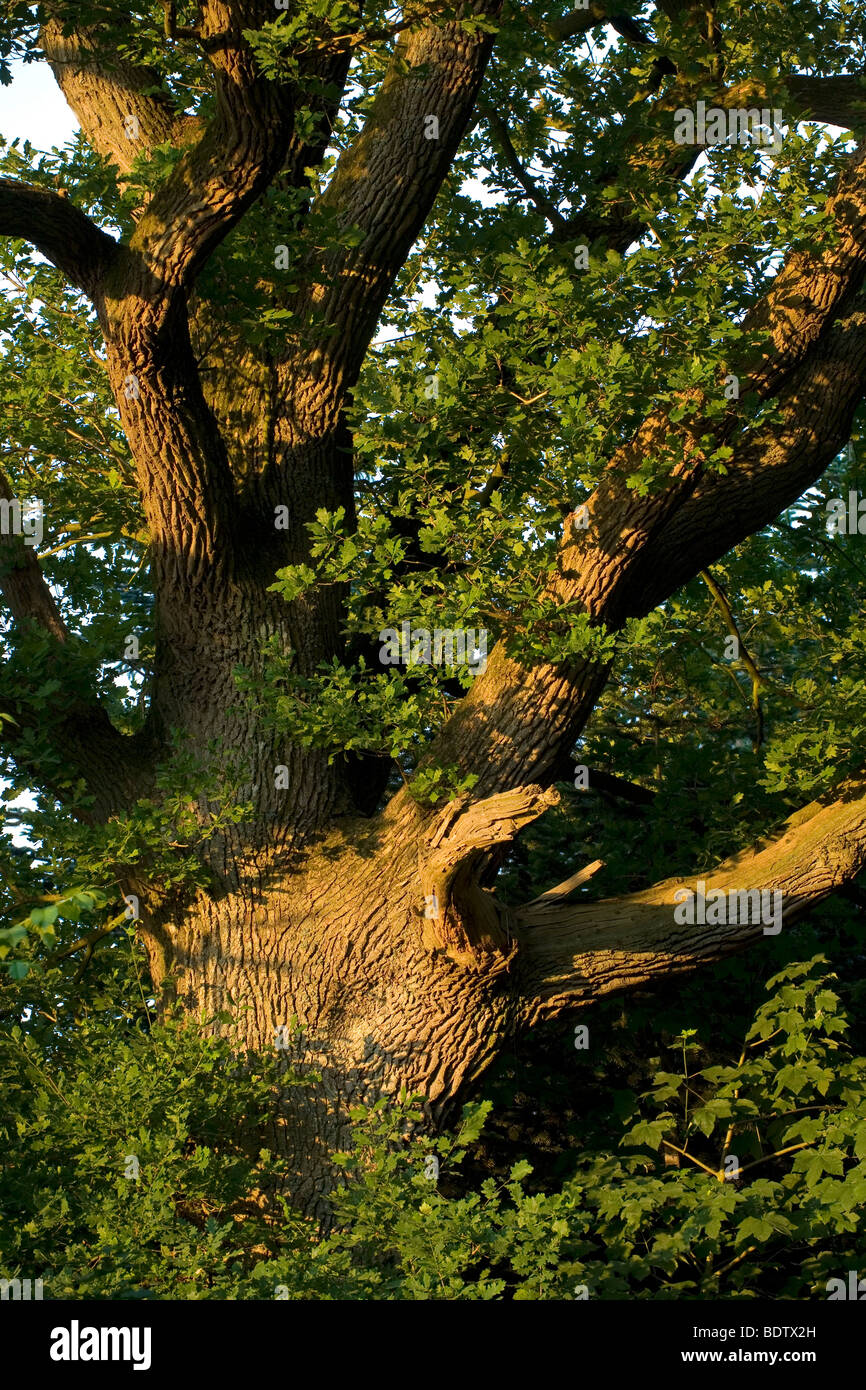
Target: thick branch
<point x="637" y="551"/>
<point x="60" y="231"/>
<point x="839" y="100"/>
<point x="124" y="113"/>
<point x="618" y="222"/>
<point x="385" y="184"/>
<point x="466" y="828"/>
<point x="240" y="152"/>
<point x="570" y="955"/>
<point x="84" y="741"/>
<point x="616" y="13"/>
<point x="120" y="106"/>
<point x="186" y="485"/>
<point x="772" y="468"/>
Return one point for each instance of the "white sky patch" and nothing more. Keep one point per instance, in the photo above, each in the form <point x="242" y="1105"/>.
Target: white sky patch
<point x="34" y="108"/>
<point x="16" y="833"/>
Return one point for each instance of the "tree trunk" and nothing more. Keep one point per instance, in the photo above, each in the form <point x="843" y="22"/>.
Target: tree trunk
<point x="334" y="938"/>
<point x="375" y="960"/>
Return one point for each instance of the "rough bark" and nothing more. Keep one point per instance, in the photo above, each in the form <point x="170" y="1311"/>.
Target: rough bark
<point x="380" y="934"/>
<point x="336" y="937"/>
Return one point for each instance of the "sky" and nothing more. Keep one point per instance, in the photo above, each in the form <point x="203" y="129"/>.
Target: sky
<point x="34" y="108"/>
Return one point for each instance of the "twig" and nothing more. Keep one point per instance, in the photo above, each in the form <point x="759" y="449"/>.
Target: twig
<point x="727" y="611"/>
<point x="712" y="1172"/>
<point x="500" y="132"/>
<point x="792" y="1149"/>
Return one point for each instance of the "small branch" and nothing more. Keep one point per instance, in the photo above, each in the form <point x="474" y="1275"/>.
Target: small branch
<point x="531" y="399"/>
<point x="76" y="540"/>
<point x="554" y="895"/>
<point x="712" y="1172"/>
<point x="494" y="481"/>
<point x="88" y="941"/>
<point x="780" y="1153"/>
<point x="748" y="662"/>
<point x="759" y="1042"/>
<point x="730" y="1134"/>
<point x="801" y="1110"/>
<point x="750" y="1249"/>
<point x="500" y="132"/>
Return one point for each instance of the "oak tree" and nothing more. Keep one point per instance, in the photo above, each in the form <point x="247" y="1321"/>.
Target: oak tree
<point x="339" y="321"/>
